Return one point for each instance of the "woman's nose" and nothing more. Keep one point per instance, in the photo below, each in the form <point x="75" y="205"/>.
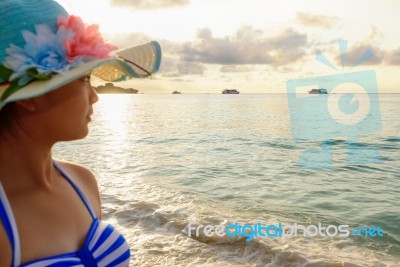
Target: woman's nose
<point x="93" y="96"/>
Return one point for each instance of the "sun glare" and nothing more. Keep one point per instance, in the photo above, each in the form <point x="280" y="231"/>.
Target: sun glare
<point x="113" y="111"/>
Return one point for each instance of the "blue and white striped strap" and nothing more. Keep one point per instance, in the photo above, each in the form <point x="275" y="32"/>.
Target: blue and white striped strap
<point x="77" y="189"/>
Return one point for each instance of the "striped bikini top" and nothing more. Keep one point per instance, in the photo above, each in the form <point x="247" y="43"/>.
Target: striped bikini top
<point x="104" y="246"/>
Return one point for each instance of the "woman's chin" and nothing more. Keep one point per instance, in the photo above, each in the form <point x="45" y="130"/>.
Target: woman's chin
<point x="77" y="135"/>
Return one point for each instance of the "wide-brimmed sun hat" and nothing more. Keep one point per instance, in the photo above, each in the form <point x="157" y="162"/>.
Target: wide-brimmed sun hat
<point x="42" y="48"/>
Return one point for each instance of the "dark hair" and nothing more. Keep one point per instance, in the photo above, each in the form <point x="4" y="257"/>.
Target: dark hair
<point x="6" y="116"/>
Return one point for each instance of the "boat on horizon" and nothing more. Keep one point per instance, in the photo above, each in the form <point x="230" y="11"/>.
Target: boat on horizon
<point x="230" y="91"/>
<point x="320" y="91"/>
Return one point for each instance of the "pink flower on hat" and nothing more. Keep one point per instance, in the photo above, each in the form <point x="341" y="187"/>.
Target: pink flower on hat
<point x="86" y="42"/>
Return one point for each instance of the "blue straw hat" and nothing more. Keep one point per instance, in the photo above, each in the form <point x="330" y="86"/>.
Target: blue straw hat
<point x="42" y="48"/>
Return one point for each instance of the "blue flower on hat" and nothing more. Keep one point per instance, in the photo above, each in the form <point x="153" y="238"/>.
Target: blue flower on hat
<point x="45" y="52"/>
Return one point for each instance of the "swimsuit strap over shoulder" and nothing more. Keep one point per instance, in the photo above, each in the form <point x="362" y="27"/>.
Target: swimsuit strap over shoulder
<point x="10" y="226"/>
<point x="104" y="245"/>
<point x="77" y="189"/>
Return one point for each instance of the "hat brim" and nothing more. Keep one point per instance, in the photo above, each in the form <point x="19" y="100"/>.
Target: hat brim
<point x="135" y="62"/>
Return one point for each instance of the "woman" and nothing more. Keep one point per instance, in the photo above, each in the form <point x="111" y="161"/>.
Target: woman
<point x="50" y="210"/>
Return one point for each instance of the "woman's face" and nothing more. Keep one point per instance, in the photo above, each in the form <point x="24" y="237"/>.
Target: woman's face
<point x="64" y="113"/>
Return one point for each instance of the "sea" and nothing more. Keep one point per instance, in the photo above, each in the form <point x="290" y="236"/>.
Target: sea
<point x="165" y="161"/>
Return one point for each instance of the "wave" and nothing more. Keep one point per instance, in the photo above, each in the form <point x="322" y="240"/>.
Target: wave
<point x="155" y="221"/>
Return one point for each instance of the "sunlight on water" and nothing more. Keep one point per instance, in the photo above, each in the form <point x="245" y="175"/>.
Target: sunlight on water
<point x="113" y="113"/>
<point x="163" y="160"/>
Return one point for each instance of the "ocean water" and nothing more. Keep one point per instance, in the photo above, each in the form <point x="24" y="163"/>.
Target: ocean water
<point x="164" y="160"/>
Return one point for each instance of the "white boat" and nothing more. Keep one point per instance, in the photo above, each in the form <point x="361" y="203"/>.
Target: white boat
<point x="230" y="91"/>
<point x="318" y="91"/>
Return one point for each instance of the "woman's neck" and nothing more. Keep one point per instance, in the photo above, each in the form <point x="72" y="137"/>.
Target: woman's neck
<point x="25" y="161"/>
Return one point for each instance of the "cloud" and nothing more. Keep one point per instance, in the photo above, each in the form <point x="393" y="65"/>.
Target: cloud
<point x="357" y="51"/>
<point x="367" y="51"/>
<point x="235" y="68"/>
<point x="315" y="20"/>
<point x="149" y="4"/>
<point x="168" y="66"/>
<point x="375" y="36"/>
<point x="246" y="46"/>
<point x="186" y="68"/>
<point x="124" y="40"/>
<point x="172" y="67"/>
<point x="370" y="47"/>
<point x="172" y="75"/>
<point x="393" y="57"/>
<point x="378" y="55"/>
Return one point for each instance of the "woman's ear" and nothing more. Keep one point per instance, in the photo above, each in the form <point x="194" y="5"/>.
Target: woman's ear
<point x="28" y="104"/>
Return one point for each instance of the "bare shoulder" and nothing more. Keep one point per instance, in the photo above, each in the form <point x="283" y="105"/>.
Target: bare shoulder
<point x="86" y="181"/>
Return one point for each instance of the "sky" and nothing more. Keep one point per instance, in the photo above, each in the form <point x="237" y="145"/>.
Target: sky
<point x="254" y="46"/>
